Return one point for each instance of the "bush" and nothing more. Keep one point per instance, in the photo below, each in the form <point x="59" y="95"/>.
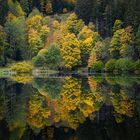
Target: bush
<point x="22" y="67"/>
<point x="110" y="65"/>
<point x="137" y="67"/>
<point x="38" y="61"/>
<point x="97" y="66"/>
<point x="124" y="65"/>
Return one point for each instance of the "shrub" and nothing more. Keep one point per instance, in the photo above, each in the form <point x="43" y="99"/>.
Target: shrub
<point x="22" y="67"/>
<point x="97" y="66"/>
<point x="137" y="67"/>
<point x="110" y="65"/>
<point x="124" y="65"/>
<point x="39" y="61"/>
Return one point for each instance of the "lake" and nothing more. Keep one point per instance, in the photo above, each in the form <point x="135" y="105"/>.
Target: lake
<point x="70" y="107"/>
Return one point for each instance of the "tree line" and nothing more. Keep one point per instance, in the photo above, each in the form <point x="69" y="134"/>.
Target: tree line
<point x="47" y="7"/>
<point x="104" y="13"/>
<point x="67" y="41"/>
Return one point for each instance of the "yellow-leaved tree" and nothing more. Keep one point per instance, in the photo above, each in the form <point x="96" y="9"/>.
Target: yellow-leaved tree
<point x="87" y="38"/>
<point x="37" y="32"/>
<point x="122" y="38"/>
<point x="70" y="50"/>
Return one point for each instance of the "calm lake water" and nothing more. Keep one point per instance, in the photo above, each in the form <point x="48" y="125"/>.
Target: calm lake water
<point x="96" y="107"/>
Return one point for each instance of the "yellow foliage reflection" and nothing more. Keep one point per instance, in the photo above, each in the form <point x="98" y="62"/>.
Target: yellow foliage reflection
<point x="66" y="102"/>
<point x="122" y="105"/>
<point x="70" y="109"/>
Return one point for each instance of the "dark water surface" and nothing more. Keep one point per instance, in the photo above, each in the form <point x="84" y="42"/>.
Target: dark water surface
<point x="98" y="107"/>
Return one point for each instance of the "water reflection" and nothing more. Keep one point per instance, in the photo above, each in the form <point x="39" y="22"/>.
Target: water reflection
<point x="69" y="107"/>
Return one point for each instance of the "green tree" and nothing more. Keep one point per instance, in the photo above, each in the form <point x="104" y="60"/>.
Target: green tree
<point x="16" y="31"/>
<point x="110" y="65"/>
<point x="39" y="61"/>
<point x="97" y="66"/>
<point x="53" y="56"/>
<point x="124" y="65"/>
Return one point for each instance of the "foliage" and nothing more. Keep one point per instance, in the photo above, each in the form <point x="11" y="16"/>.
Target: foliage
<point x="22" y="67"/>
<point x="53" y="56"/>
<point x="49" y="87"/>
<point x="124" y="65"/>
<point x="37" y="111"/>
<point x="70" y="50"/>
<point x="97" y="66"/>
<point x="92" y="58"/>
<point x="48" y="7"/>
<point x="73" y="24"/>
<point x="56" y="25"/>
<point x="120" y="40"/>
<point x="35" y="42"/>
<point x="15" y="8"/>
<point x="39" y="61"/>
<point x="16" y="33"/>
<point x="122" y="104"/>
<point x="137" y="67"/>
<point x="34" y="12"/>
<point x="73" y="106"/>
<point x="110" y="65"/>
<point x="37" y="33"/>
<point x="102" y="50"/>
<point x="50" y="57"/>
<point x="22" y="78"/>
<point x="88" y="39"/>
<point x="99" y="52"/>
<point x="117" y="25"/>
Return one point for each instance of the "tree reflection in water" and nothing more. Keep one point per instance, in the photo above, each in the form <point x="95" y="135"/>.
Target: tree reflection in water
<point x="72" y="108"/>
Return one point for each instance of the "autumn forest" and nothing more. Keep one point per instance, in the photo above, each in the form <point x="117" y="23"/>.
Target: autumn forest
<point x="102" y="36"/>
